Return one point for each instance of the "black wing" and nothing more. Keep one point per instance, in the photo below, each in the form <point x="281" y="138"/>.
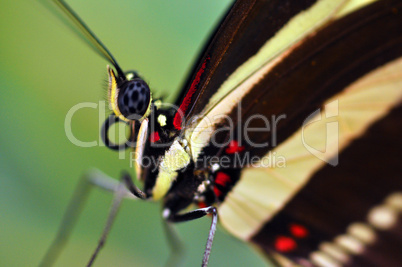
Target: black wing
<point x="347" y="65"/>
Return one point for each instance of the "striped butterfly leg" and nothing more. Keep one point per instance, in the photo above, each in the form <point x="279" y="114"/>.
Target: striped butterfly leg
<point x="125" y="186"/>
<point x="196" y="214"/>
<point x="94" y="178"/>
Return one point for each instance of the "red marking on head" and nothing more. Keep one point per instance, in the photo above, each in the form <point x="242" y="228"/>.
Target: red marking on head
<point x="217" y="192"/>
<point x="202" y="205"/>
<point x="234" y="147"/>
<point x="298" y="230"/>
<point x="285" y="244"/>
<point x="154" y="137"/>
<point x="187" y="99"/>
<point x="222" y="178"/>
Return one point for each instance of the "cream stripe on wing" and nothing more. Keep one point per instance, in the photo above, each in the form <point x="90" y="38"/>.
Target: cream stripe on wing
<point x="380" y="90"/>
<point x="351" y="6"/>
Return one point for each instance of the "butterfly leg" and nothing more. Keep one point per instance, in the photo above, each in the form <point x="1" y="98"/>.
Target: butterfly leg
<point x="177" y="250"/>
<point x="125" y="186"/>
<point x="94" y="178"/>
<point x="196" y="214"/>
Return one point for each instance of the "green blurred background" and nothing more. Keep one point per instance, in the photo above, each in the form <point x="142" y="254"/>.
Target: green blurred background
<point x="46" y="70"/>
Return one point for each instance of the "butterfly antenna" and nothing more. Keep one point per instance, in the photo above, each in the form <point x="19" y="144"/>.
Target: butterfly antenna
<point x="88" y="36"/>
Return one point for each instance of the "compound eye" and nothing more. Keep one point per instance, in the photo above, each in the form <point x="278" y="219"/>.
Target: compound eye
<point x="134" y="99"/>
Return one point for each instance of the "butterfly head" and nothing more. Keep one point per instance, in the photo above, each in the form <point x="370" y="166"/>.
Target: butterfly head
<point x="130" y="98"/>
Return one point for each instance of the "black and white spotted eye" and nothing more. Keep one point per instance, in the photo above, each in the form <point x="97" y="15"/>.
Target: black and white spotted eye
<point x="134" y="99"/>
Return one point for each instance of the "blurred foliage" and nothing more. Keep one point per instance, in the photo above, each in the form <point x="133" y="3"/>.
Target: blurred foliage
<point x="45" y="71"/>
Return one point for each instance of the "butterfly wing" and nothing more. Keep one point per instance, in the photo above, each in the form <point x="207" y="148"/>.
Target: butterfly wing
<point x="273" y="58"/>
<point x="303" y="204"/>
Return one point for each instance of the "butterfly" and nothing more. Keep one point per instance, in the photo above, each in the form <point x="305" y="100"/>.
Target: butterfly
<point x="286" y="132"/>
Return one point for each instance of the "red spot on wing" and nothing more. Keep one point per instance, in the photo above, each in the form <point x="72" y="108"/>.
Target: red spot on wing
<point x="298" y="230"/>
<point x="285" y="244"/>
<point x="218" y="193"/>
<point x="154" y="137"/>
<point x="222" y="178"/>
<point x="187" y="99"/>
<point x="234" y="147"/>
